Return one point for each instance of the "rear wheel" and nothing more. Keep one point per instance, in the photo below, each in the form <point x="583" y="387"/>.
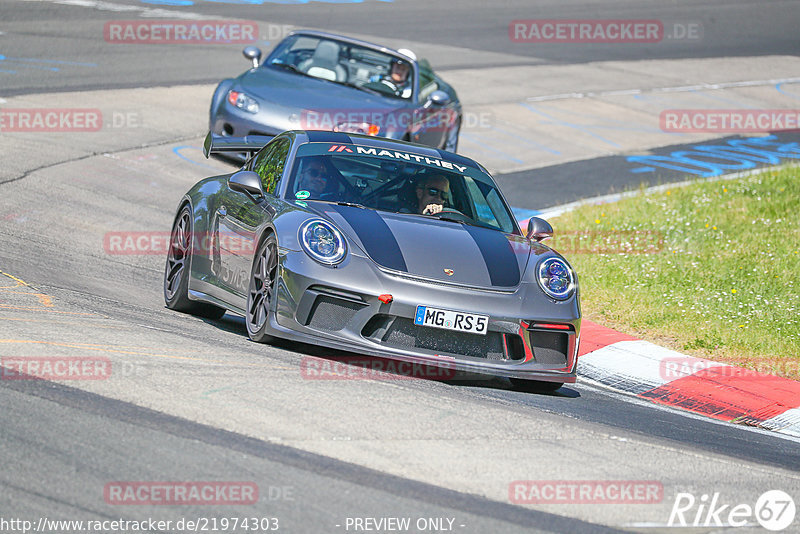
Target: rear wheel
<point x="176" y="271"/>
<point x="261" y="291"/>
<point x="535" y="386"/>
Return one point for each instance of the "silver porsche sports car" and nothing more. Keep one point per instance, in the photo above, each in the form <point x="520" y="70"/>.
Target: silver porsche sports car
<point x="380" y="247"/>
<point x="320" y="81"/>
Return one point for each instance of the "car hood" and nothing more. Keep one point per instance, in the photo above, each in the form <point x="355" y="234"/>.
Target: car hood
<point x="310" y="103"/>
<point x="431" y="248"/>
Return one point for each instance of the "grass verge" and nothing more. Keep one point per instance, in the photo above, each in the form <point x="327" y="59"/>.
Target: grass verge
<point x="711" y="269"/>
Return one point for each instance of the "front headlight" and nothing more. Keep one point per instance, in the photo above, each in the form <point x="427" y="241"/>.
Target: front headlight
<point x="242" y="101"/>
<point x="323" y="242"/>
<point x="555" y="278"/>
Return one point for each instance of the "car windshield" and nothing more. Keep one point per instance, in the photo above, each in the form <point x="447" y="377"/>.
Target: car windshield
<point x="345" y="63"/>
<point x="399" y="182"/>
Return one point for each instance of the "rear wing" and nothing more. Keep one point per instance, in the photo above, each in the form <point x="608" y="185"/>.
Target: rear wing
<point x="217" y="144"/>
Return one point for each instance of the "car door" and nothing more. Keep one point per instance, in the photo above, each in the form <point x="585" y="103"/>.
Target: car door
<point x="239" y="217"/>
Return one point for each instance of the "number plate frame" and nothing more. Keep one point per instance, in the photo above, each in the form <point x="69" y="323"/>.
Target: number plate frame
<point x="433" y="317"/>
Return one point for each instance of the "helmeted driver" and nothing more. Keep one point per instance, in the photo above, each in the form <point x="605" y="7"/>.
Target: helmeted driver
<point x="399" y="77"/>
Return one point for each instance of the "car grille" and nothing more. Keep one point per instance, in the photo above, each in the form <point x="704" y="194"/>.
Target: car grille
<point x="332" y="314"/>
<point x="402" y="332"/>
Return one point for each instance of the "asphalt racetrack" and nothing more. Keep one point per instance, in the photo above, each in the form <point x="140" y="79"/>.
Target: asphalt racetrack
<point x="193" y="403"/>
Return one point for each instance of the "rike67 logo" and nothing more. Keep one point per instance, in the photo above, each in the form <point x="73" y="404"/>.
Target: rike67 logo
<point x="774" y="510"/>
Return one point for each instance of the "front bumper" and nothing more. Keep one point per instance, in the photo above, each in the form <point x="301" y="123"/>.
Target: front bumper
<point x="529" y="336"/>
<point x="231" y="121"/>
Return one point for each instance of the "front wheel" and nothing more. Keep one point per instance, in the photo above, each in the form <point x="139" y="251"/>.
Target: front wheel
<point x="176" y="271"/>
<point x="535" y="386"/>
<point x="451" y="143"/>
<point x="261" y="292"/>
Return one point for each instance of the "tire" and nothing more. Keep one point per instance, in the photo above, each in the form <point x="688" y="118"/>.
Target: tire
<point x="261" y="290"/>
<point x="535" y="386"/>
<point x="176" y="271"/>
<point x="216" y="101"/>
<point x="451" y="143"/>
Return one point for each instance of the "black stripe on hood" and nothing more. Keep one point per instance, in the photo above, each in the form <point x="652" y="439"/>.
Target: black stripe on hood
<point x="376" y="236"/>
<point x="499" y="257"/>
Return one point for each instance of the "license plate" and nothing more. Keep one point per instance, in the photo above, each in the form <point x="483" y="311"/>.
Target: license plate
<point x="451" y="320"/>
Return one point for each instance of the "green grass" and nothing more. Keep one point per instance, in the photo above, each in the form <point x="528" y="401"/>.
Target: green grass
<point x="711" y="269"/>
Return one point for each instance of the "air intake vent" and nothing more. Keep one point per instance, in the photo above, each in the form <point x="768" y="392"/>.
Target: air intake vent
<point x="549" y="347"/>
<point x="404" y="333"/>
<point x="332" y="314"/>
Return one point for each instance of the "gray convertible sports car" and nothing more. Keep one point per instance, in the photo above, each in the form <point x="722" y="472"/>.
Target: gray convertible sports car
<point x="381" y="247"/>
<point x="320" y="81"/>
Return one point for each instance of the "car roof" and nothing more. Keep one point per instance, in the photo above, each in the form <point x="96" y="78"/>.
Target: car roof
<point x="351" y="40"/>
<point x="322" y="136"/>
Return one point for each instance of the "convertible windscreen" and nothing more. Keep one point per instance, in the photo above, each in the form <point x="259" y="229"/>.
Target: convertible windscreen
<point x="340" y="62"/>
<point x="400" y="182"/>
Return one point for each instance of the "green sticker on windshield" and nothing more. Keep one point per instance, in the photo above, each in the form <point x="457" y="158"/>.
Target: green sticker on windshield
<point x="302" y="194"/>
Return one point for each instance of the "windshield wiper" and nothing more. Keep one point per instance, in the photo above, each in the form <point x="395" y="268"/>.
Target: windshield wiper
<point x="469" y="221"/>
<point x="446" y="218"/>
<point x="340" y="203"/>
<point x="351" y="204"/>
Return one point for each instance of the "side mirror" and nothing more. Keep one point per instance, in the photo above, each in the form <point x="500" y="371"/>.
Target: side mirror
<point x="253" y="54"/>
<point x="246" y="182"/>
<point x="539" y="229"/>
<point x="439" y="99"/>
